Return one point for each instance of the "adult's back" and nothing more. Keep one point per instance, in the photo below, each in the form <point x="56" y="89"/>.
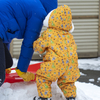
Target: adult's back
<point x="23" y="19"/>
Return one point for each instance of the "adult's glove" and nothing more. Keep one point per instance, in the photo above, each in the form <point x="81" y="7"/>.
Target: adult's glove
<point x="8" y="70"/>
<point x="26" y="76"/>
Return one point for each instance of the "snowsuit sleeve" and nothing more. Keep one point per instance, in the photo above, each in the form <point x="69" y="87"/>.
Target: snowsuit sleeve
<point x="41" y="44"/>
<point x="34" y="25"/>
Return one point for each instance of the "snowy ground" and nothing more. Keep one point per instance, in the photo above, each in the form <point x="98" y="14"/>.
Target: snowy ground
<point x="26" y="91"/>
<point x="92" y="64"/>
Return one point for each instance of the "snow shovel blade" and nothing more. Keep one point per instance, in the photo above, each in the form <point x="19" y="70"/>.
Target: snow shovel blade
<point x="13" y="77"/>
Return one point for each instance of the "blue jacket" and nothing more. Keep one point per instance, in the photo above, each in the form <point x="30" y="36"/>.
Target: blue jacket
<point x="23" y="19"/>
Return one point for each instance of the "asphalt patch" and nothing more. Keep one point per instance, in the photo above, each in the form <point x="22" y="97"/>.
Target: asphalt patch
<point x="91" y="76"/>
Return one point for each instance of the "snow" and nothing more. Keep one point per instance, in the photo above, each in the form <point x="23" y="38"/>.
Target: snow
<point x="98" y="78"/>
<point x="27" y="90"/>
<point x="82" y="74"/>
<point x="91" y="64"/>
<point x="91" y="80"/>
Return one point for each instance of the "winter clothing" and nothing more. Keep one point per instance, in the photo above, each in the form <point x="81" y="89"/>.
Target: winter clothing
<point x="8" y="70"/>
<point x="60" y="60"/>
<point x="26" y="76"/>
<point x="49" y="5"/>
<point x="71" y="98"/>
<point x="22" y="19"/>
<point x="40" y="98"/>
<point x="4" y="63"/>
<point x="8" y="58"/>
<point x="36" y="98"/>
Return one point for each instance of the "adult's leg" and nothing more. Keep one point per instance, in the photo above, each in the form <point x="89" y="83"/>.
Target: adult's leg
<point x="2" y="62"/>
<point x="8" y="58"/>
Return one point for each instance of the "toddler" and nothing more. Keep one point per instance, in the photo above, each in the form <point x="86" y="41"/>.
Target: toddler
<point x="60" y="61"/>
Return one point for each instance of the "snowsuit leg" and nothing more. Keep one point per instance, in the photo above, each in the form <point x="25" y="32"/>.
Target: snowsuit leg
<point x="67" y="81"/>
<point x="49" y="71"/>
<point x="65" y="70"/>
<point x="5" y="61"/>
<point x="43" y="87"/>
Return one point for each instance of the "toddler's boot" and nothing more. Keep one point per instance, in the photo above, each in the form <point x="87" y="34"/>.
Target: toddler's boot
<point x="71" y="98"/>
<point x="40" y="98"/>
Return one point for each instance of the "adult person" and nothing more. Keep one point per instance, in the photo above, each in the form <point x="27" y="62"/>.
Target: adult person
<point x="21" y="19"/>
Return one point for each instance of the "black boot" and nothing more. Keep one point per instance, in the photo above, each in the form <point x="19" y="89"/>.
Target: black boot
<point x="71" y="98"/>
<point x="40" y="98"/>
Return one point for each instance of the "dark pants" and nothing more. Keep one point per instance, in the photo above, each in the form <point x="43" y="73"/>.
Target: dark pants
<point x="5" y="61"/>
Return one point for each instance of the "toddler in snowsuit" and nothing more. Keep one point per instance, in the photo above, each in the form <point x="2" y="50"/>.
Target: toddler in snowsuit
<point x="60" y="61"/>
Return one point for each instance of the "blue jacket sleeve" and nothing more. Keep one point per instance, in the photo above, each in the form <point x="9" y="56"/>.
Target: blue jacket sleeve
<point x="34" y="25"/>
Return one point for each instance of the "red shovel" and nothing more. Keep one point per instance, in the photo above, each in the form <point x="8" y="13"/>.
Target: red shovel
<point x="13" y="77"/>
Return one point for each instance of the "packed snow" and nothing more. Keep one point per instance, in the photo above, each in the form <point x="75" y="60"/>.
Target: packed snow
<point x="27" y="90"/>
<point x="83" y="74"/>
<point x="91" y="80"/>
<point x="99" y="79"/>
<point x="91" y="64"/>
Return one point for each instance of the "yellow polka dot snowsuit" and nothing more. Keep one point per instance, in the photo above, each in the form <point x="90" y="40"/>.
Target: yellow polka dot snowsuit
<point x="60" y="60"/>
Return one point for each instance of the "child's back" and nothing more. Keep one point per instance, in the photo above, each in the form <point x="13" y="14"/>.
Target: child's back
<point x="60" y="60"/>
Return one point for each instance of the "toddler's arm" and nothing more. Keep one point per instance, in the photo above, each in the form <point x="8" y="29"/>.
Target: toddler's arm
<point x="40" y="45"/>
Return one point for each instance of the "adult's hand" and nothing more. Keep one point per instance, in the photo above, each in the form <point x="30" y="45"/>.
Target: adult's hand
<point x="26" y="76"/>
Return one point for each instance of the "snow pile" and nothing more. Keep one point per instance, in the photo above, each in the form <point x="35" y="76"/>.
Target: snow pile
<point x="92" y="91"/>
<point x="82" y="74"/>
<point x="92" y="64"/>
<point x="27" y="90"/>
